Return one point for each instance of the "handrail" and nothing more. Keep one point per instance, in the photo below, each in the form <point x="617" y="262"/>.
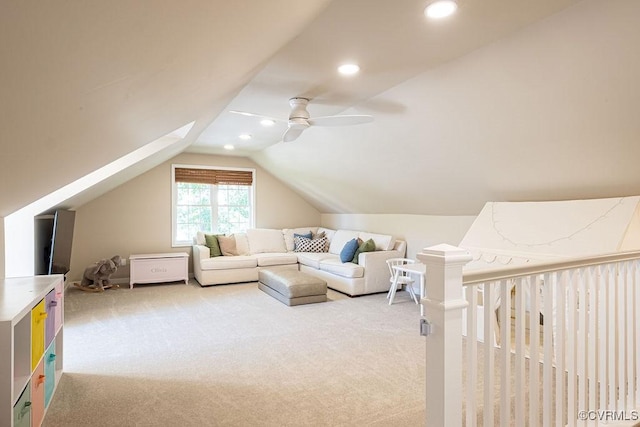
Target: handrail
<point x="494" y="274"/>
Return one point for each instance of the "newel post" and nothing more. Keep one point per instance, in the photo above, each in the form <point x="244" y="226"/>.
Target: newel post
<point x="443" y="304"/>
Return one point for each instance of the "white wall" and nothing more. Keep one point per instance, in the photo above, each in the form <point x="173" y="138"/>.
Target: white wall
<point x="2" y="270"/>
<point x="136" y="217"/>
<point x="419" y="231"/>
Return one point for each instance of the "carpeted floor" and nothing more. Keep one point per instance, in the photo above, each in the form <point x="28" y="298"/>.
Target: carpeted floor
<point x="176" y="355"/>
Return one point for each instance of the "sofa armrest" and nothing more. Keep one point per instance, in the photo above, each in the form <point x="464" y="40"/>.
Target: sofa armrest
<point x="377" y="259"/>
<point x="200" y="252"/>
<point x="372" y="259"/>
<point x="376" y="270"/>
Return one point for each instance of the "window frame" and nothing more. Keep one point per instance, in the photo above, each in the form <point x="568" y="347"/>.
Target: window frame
<point x="174" y="198"/>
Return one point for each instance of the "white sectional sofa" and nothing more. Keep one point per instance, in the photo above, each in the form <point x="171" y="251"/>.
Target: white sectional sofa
<point x="274" y="249"/>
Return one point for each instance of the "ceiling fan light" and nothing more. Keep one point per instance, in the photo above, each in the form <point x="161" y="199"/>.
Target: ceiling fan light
<point x="440" y="9"/>
<point x="298" y="123"/>
<point x="244" y="137"/>
<point x="348" y="69"/>
<point x="267" y="122"/>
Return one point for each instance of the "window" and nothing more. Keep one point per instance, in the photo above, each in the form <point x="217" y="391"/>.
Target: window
<point x="213" y="200"/>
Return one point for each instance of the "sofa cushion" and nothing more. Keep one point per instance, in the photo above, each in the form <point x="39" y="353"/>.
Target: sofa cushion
<point x="211" y="241"/>
<point x="199" y="239"/>
<point x="268" y="259"/>
<point x="327" y="232"/>
<point x="312" y="259"/>
<point x="383" y="242"/>
<point x="228" y="245"/>
<point x="347" y="269"/>
<point x="242" y="243"/>
<point x="265" y="240"/>
<point x="289" y="232"/>
<point x="368" y="246"/>
<point x="349" y="250"/>
<point x="340" y="238"/>
<point x="303" y="244"/>
<point x="229" y="262"/>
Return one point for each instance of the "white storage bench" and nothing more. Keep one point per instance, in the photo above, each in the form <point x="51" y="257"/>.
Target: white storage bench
<point x="159" y="268"/>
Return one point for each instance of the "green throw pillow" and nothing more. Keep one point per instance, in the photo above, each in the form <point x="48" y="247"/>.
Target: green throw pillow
<point x="368" y="246"/>
<point x="211" y="241"/>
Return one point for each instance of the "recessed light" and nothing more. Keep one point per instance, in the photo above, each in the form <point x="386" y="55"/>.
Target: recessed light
<point x="228" y="147"/>
<point x="440" y="9"/>
<point x="244" y="136"/>
<point x="267" y="122"/>
<point x="348" y="69"/>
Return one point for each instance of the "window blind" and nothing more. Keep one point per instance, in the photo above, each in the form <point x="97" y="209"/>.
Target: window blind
<point x="213" y="176"/>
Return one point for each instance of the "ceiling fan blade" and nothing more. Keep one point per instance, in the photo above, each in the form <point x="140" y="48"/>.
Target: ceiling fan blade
<point x="260" y="116"/>
<point x="292" y="133"/>
<point x="340" y="120"/>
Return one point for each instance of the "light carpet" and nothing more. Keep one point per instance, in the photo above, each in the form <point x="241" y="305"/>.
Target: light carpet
<point x="175" y="354"/>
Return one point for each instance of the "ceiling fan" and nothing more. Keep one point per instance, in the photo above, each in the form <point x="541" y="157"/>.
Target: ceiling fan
<point x="299" y="119"/>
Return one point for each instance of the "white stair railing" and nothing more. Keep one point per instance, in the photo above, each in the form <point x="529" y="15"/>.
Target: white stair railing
<point x="556" y="343"/>
<point x="443" y="308"/>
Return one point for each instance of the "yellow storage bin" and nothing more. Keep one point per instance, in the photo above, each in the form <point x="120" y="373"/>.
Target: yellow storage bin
<point x="38" y="317"/>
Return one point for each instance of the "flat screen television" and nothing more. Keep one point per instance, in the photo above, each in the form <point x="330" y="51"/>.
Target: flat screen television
<point x="61" y="241"/>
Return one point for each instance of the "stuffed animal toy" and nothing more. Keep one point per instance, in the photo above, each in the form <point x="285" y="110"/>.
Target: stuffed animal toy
<point x="97" y="276"/>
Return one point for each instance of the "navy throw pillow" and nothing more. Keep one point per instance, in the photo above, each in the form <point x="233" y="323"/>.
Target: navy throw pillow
<point x="349" y="250"/>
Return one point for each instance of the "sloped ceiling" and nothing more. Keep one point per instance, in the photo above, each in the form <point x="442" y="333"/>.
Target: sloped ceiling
<point x="84" y="83"/>
<point x="507" y="100"/>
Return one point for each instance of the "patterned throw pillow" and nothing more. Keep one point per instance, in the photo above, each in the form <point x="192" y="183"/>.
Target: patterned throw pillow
<point x="320" y="235"/>
<point x="307" y="235"/>
<point x="304" y="244"/>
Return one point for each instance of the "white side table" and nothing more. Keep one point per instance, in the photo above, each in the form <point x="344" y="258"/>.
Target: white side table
<point x="159" y="268"/>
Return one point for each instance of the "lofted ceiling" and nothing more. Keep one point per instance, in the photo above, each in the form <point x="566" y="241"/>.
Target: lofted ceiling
<point x="391" y="41"/>
<point x="506" y="100"/>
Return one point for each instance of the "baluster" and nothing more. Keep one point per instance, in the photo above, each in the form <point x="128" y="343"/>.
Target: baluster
<point x="629" y="316"/>
<point x="622" y="331"/>
<point x="520" y="382"/>
<point x="612" y="301"/>
<point x="582" y="356"/>
<point x="547" y="375"/>
<point x="603" y="335"/>
<point x="472" y="354"/>
<point x="560" y="314"/>
<point x="488" y="349"/>
<point x="534" y="349"/>
<point x="505" y="352"/>
<point x="592" y="334"/>
<point x="572" y="317"/>
<point x="471" y="361"/>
